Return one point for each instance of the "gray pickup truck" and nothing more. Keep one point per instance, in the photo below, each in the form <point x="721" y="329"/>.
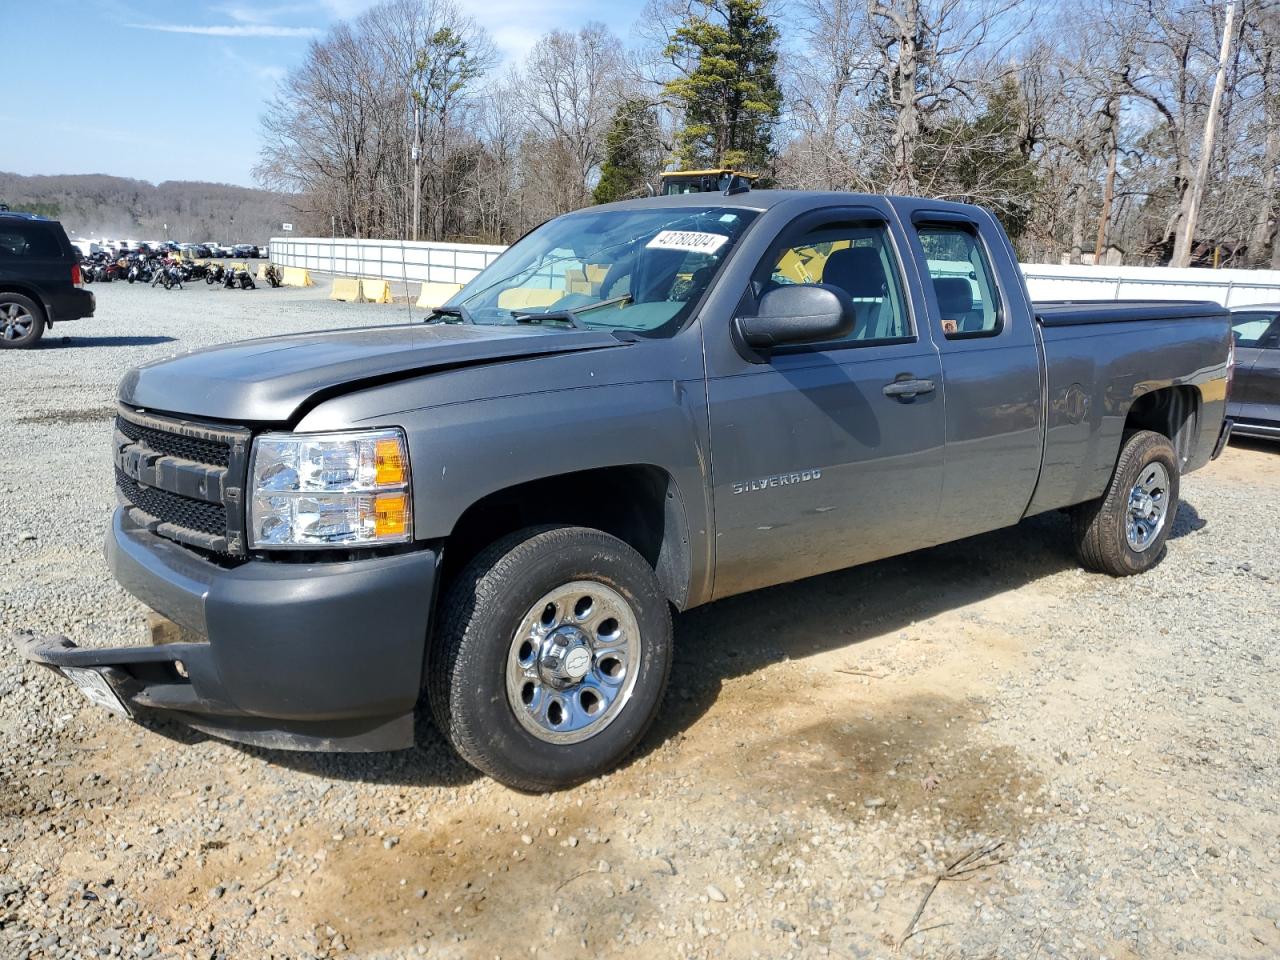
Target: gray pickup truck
<point x="637" y="409"/>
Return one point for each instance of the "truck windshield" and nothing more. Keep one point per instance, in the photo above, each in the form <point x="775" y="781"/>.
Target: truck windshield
<point x="639" y="271"/>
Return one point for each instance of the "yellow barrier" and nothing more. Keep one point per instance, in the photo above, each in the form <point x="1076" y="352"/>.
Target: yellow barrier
<point x="521" y="298"/>
<point x="375" y="291"/>
<point x="346" y="288"/>
<point x="262" y="271"/>
<point x="435" y="294"/>
<point x="297" y="277"/>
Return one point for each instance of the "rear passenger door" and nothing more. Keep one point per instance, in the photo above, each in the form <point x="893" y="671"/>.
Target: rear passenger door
<point x="991" y="367"/>
<point x="821" y="457"/>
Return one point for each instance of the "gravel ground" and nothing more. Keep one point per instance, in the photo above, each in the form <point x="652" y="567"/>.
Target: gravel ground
<point x="1090" y="765"/>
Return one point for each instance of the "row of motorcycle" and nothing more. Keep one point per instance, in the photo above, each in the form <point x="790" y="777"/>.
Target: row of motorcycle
<point x="171" y="272"/>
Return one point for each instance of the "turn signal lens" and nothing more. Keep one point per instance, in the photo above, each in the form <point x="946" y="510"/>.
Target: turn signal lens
<point x="389" y="463"/>
<point x="391" y="516"/>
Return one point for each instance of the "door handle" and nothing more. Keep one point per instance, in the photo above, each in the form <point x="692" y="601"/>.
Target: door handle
<point x="908" y="389"/>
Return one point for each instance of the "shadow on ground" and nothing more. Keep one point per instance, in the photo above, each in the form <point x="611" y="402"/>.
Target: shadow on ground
<point x="743" y="634"/>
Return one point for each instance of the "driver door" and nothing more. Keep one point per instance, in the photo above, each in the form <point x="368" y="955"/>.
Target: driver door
<point x="818" y="462"/>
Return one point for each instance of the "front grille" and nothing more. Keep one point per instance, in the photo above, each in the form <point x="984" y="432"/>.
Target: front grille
<point x="173" y="508"/>
<point x="183" y="479"/>
<point x="212" y="452"/>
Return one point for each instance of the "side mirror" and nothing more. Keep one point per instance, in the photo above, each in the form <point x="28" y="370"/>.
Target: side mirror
<point x="798" y="313"/>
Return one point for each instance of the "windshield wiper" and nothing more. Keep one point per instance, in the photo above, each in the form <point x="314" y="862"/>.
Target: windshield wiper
<point x="461" y="312"/>
<point x="563" y="316"/>
<point x="567" y="315"/>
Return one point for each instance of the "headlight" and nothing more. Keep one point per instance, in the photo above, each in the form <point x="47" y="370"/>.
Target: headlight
<point x="329" y="490"/>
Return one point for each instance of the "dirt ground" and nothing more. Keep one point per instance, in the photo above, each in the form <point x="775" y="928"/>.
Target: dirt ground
<point x="1103" y="752"/>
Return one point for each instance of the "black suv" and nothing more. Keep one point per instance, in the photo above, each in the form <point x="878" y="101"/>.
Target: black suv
<point x="39" y="279"/>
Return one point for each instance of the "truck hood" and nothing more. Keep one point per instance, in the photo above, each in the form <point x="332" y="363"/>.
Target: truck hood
<point x="271" y="380"/>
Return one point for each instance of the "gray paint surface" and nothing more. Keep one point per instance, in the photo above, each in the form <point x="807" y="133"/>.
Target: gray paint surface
<point x="1022" y="422"/>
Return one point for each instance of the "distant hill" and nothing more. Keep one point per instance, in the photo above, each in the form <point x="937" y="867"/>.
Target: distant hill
<point x="96" y="205"/>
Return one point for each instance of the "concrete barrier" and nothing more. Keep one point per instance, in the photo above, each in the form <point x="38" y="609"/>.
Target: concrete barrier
<point x="433" y="295"/>
<point x="346" y="289"/>
<point x="297" y="277"/>
<point x="375" y="291"/>
<point x="524" y="298"/>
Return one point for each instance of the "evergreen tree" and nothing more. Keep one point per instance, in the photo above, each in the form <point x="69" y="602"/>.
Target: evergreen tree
<point x="629" y="152"/>
<point x="729" y="92"/>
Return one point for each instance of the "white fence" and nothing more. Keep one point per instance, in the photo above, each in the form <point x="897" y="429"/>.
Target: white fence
<point x="459" y="262"/>
<point x="385" y="259"/>
<point x="1231" y="288"/>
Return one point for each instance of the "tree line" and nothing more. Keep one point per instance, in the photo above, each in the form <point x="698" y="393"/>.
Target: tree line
<point x="96" y="205"/>
<point x="1082" y="126"/>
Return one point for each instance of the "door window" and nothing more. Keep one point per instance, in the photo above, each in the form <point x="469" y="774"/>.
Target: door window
<point x="859" y="260"/>
<point x="1250" y="329"/>
<point x="962" y="281"/>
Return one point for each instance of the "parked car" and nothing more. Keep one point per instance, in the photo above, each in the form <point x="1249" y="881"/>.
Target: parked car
<point x="1254" y="403"/>
<point x="503" y="505"/>
<point x="244" y="250"/>
<point x="40" y="282"/>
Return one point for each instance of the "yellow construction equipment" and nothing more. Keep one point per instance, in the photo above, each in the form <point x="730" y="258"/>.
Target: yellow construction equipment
<point x="675" y="182"/>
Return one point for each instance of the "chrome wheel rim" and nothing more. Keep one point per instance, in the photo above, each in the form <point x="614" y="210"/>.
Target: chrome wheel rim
<point x="573" y="662"/>
<point x="15" y="321"/>
<point x="1148" y="507"/>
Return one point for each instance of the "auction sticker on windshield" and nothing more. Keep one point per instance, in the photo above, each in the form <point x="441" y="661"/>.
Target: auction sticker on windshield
<point x="690" y="241"/>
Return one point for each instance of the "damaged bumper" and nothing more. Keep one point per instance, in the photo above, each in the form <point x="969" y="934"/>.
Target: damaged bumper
<point x="303" y="656"/>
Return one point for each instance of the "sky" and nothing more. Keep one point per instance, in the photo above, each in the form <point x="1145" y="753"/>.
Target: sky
<point x="173" y="91"/>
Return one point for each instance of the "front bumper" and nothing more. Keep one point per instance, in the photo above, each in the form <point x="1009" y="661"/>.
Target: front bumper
<point x="306" y="656"/>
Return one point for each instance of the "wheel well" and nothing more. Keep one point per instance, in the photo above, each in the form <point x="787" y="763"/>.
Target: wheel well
<point x="639" y="504"/>
<point x="25" y="291"/>
<point x="1171" y="411"/>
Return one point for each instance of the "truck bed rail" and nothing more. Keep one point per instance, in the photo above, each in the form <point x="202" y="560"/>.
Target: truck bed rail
<point x="1068" y="313"/>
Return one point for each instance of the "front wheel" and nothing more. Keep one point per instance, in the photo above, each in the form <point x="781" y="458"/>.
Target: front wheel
<point x="552" y="657"/>
<point x="1124" y="531"/>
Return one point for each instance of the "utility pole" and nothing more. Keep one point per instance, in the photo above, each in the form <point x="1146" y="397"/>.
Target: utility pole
<point x="1186" y="239"/>
<point x="417" y="163"/>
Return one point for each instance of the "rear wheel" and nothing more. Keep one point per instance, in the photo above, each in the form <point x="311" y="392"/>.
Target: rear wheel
<point x="1124" y="531"/>
<point x="552" y="657"/>
<point x="21" y="321"/>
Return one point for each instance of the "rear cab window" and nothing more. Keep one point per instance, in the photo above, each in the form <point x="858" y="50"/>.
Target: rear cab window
<point x="963" y="281"/>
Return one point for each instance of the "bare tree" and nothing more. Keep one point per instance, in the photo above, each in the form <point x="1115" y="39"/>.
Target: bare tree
<point x="574" y="84"/>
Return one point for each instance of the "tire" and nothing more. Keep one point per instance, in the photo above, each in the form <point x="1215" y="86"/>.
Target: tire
<point x="21" y="322"/>
<point x="1104" y="528"/>
<point x="475" y="659"/>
